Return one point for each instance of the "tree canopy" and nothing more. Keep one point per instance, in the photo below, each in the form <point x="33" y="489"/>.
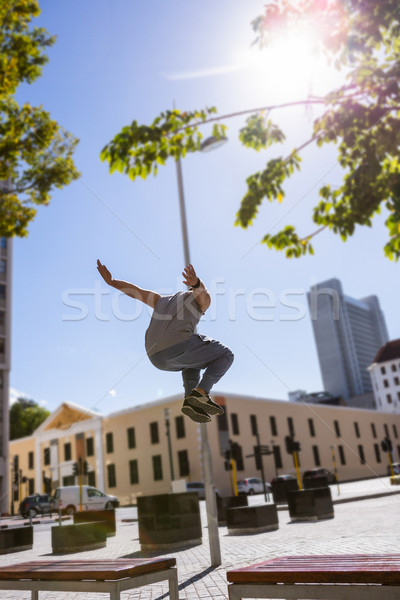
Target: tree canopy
<point x="25" y="417"/>
<point x="361" y="118"/>
<point x="35" y="152"/>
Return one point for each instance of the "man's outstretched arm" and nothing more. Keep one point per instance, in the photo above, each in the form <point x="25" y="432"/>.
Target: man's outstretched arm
<point x="199" y="290"/>
<point x="147" y="296"/>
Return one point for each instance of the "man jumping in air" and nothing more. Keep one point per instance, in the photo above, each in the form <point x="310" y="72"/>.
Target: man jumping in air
<point x="172" y="344"/>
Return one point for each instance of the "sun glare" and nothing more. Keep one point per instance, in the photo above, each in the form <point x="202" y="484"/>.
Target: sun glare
<point x="291" y="69"/>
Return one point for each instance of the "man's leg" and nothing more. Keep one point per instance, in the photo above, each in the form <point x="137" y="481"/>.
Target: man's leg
<point x="191" y="378"/>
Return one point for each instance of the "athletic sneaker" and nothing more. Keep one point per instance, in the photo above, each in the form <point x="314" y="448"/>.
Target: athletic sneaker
<point x="204" y="402"/>
<point x="193" y="412"/>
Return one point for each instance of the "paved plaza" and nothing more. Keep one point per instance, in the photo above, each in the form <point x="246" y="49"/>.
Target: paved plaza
<point x="361" y="525"/>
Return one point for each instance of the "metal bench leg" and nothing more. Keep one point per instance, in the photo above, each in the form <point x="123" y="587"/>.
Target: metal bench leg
<point x="173" y="584"/>
<point x="115" y="592"/>
<point x="35" y="594"/>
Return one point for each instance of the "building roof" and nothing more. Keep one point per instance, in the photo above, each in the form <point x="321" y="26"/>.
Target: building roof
<point x="389" y="351"/>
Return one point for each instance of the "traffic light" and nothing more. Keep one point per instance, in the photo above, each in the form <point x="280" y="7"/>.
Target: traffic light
<point x="227" y="455"/>
<point x="289" y="443"/>
<point x="85" y="467"/>
<point x="228" y="465"/>
<point x="235" y="450"/>
<point x="386" y="445"/>
<point x="296" y="446"/>
<point x="75" y="468"/>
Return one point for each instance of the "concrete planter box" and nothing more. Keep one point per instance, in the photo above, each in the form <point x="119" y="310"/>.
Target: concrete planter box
<point x="105" y="519"/>
<point x="77" y="538"/>
<point x="252" y="519"/>
<point x="169" y="521"/>
<point x="228" y="502"/>
<point x="281" y="488"/>
<point x="16" y="539"/>
<point x="315" y="482"/>
<point x="310" y="505"/>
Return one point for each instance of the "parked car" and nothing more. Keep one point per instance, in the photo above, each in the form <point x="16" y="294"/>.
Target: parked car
<point x="198" y="486"/>
<point x="283" y="477"/>
<point x="314" y="473"/>
<point x="252" y="485"/>
<point x="36" y="504"/>
<point x="396" y="469"/>
<point x="68" y="498"/>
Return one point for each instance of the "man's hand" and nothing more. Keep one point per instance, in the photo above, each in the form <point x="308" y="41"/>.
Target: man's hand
<point x="189" y="275"/>
<point x="104" y="272"/>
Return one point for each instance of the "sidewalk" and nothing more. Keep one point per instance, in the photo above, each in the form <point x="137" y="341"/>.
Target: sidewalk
<point x="370" y="526"/>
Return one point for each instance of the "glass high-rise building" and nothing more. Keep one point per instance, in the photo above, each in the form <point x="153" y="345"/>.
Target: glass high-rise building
<point x="5" y="343"/>
<point x="348" y="334"/>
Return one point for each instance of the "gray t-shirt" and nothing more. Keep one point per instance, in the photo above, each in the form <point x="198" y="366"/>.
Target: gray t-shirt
<point x="174" y="320"/>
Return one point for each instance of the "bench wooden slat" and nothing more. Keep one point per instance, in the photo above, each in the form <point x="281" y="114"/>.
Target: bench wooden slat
<point x="77" y="570"/>
<point x="346" y="568"/>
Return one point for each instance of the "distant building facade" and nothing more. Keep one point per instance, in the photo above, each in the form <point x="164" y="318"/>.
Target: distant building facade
<point x="5" y="365"/>
<point x="348" y="334"/>
<point x="385" y="377"/>
<point x="128" y="454"/>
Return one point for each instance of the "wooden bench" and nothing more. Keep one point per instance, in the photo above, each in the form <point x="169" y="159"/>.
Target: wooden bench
<point x="333" y="577"/>
<point x="110" y="576"/>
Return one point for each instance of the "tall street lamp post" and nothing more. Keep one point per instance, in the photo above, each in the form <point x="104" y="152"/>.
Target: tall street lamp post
<point x="211" y="502"/>
<point x="167" y="430"/>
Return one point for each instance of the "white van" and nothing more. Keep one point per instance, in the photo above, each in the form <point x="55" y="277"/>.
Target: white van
<point x="92" y="499"/>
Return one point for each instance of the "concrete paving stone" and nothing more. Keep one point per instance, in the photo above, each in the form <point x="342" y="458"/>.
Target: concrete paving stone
<point x="367" y="526"/>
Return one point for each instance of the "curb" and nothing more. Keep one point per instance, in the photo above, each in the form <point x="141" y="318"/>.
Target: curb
<point x="353" y="499"/>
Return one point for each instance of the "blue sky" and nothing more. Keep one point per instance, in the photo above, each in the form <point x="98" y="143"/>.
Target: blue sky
<point x="76" y="340"/>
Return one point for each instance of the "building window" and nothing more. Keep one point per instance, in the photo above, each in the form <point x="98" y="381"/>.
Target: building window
<point x="157" y="468"/>
<point x="180" y="427"/>
<point x="31" y="486"/>
<point x="46" y="456"/>
<point x="257" y="458"/>
<point x="131" y="437"/>
<point x="30" y="460"/>
<point x="2" y="292"/>
<point x="183" y="462"/>
<point x="342" y="455"/>
<point x="111" y="476"/>
<point x="377" y="453"/>
<point x="277" y="457"/>
<point x="389" y="398"/>
<point x="373" y="429"/>
<point x="272" y="423"/>
<point x="290" y="426"/>
<point x="311" y="427"/>
<point x="91" y="478"/>
<point x="386" y="429"/>
<point x="89" y="447"/>
<point x="394" y="368"/>
<point x="337" y="428"/>
<point x="317" y="462"/>
<point x="394" y="430"/>
<point x="253" y="424"/>
<point x="398" y="396"/>
<point x="235" y="424"/>
<point x="383" y="370"/>
<point x="385" y="383"/>
<point x="154" y="433"/>
<point x="396" y="381"/>
<point x="67" y="451"/>
<point x="109" y="443"/>
<point x="3" y="267"/>
<point x="133" y="471"/>
<point x="3" y="243"/>
<point x="356" y="429"/>
<point x="361" y="454"/>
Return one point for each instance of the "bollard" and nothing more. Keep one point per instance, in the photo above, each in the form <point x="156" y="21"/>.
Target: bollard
<point x="30" y="518"/>
<point x="59" y="512"/>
